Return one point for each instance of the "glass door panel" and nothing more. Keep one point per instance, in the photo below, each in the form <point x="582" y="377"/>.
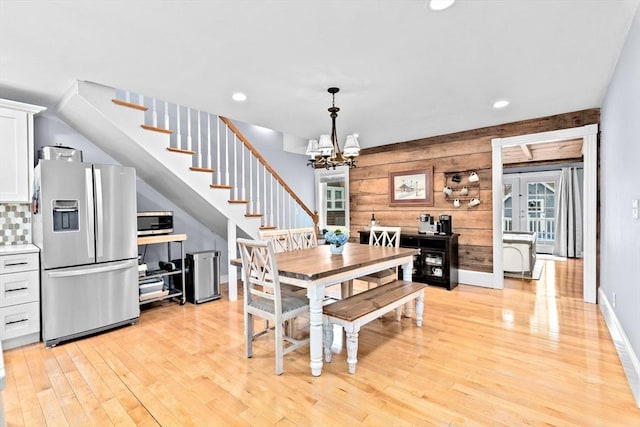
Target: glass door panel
<point x="541" y="206"/>
<point x="507" y="205"/>
<point x="529" y="204"/>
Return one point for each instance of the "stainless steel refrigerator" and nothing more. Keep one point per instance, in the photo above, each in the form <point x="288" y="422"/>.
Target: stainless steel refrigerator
<point x="84" y="222"/>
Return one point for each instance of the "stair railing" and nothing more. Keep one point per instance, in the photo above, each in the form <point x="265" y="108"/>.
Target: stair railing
<point x="218" y="147"/>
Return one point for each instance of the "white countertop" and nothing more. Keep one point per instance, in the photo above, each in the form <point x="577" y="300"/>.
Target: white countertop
<point x="18" y="249"/>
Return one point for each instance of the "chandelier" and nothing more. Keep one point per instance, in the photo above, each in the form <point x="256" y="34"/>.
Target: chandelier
<point x="326" y="153"/>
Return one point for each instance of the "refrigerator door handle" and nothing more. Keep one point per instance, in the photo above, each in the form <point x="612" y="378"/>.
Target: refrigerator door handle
<point x="88" y="184"/>
<point x="99" y="215"/>
<point x="84" y="271"/>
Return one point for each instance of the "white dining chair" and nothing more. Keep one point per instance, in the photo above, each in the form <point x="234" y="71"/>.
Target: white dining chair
<point x="280" y="239"/>
<point x="302" y="238"/>
<point x="383" y="236"/>
<point x="262" y="298"/>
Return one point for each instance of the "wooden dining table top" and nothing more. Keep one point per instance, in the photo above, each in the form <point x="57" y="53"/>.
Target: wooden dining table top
<point x="318" y="262"/>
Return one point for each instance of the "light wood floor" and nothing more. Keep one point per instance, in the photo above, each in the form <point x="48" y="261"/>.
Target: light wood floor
<point x="532" y="354"/>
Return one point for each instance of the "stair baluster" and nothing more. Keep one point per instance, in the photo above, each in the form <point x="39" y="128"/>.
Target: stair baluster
<point x="226" y="156"/>
<point x="218" y="173"/>
<point x="166" y="116"/>
<point x="209" y="141"/>
<point x="178" y="134"/>
<point x="272" y="218"/>
<point x="235" y="167"/>
<point x="243" y="187"/>
<point x="199" y="154"/>
<point x="256" y="208"/>
<point x="189" y="141"/>
<point x="251" y="202"/>
<point x="279" y="212"/>
<point x="154" y="114"/>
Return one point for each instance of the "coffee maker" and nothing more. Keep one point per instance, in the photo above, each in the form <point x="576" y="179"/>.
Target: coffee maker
<point x="446" y="226"/>
<point x="424" y="224"/>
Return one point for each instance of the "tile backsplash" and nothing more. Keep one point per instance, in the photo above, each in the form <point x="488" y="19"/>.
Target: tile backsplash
<point x="15" y="223"/>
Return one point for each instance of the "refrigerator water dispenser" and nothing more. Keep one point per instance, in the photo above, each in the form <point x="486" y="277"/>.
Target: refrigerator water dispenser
<point x="65" y="215"/>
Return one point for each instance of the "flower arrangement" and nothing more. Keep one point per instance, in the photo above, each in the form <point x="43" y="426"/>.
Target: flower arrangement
<point x="336" y="237"/>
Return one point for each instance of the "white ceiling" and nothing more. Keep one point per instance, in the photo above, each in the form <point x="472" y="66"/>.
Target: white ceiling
<point x="405" y="71"/>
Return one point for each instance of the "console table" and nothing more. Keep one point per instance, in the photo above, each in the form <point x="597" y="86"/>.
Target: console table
<point x="436" y="263"/>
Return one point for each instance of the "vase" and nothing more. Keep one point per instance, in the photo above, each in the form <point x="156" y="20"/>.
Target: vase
<point x="336" y="250"/>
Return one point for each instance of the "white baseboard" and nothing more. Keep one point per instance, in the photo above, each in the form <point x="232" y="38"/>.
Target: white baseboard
<point x="625" y="351"/>
<point x="476" y="278"/>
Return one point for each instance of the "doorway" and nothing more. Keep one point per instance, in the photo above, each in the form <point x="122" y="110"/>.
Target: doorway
<point x="530" y="203"/>
<point x="588" y="134"/>
<point x="332" y="197"/>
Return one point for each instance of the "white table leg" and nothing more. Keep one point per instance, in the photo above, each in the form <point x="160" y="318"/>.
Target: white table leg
<point x="419" y="309"/>
<point x="407" y="274"/>
<point x="315" y="293"/>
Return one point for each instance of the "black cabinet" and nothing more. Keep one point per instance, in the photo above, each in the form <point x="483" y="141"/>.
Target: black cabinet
<point x="437" y="262"/>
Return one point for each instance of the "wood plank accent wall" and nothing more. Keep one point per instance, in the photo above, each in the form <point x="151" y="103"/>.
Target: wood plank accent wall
<point x="462" y="151"/>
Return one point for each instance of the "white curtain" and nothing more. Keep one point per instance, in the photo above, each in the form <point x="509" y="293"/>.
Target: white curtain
<point x="569" y="216"/>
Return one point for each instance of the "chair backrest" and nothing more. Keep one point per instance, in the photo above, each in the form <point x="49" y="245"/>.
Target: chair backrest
<point x="260" y="273"/>
<point x="280" y="239"/>
<point x="385" y="236"/>
<point x="302" y="238"/>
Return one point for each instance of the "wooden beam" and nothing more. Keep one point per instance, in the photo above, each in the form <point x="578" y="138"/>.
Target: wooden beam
<point x="527" y="151"/>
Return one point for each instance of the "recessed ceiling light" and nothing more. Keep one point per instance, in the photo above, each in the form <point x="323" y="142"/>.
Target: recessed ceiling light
<point x="500" y="104"/>
<point x="440" y="4"/>
<point x="239" y="96"/>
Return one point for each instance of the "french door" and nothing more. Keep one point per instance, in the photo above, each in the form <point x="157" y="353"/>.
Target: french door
<point x="529" y="204"/>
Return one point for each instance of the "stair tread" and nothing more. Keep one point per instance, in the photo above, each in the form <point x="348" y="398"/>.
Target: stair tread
<point x="180" y="150"/>
<point x="238" y="201"/>
<point x="129" y="104"/>
<point x="268" y="227"/>
<point x="156" y="129"/>
<point x="227" y="187"/>
<point x="197" y="169"/>
<point x="254" y="215"/>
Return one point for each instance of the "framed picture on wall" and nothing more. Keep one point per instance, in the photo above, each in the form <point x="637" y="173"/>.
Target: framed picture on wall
<point x="411" y="188"/>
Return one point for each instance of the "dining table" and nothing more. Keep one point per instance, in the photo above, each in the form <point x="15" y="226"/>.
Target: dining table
<point x="317" y="268"/>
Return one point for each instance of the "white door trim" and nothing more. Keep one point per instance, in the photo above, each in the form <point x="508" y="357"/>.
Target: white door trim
<point x="589" y="135"/>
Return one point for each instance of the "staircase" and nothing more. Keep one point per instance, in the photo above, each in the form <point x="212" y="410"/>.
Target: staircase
<point x="198" y="160"/>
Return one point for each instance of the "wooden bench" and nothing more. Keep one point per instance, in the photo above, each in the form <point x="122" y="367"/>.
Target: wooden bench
<point x="355" y="311"/>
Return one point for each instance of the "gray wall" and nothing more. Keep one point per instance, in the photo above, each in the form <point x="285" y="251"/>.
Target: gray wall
<point x="619" y="185"/>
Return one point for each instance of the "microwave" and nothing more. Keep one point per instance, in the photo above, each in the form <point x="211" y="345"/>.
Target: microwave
<point x="155" y="222"/>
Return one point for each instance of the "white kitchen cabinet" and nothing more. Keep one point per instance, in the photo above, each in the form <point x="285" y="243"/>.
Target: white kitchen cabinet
<point x="19" y="295"/>
<point x="16" y="146"/>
